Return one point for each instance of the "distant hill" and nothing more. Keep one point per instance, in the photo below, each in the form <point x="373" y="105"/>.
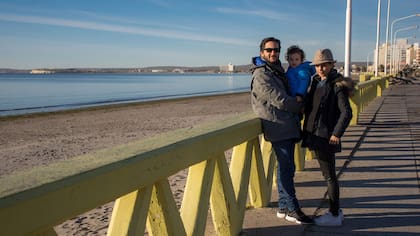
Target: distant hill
<point x="11" y="71"/>
<point x="158" y="69"/>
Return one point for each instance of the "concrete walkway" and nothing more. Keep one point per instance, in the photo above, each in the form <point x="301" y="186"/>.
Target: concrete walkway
<point x="378" y="174"/>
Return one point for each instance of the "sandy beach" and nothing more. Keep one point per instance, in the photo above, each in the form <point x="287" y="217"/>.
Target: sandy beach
<point x="40" y="139"/>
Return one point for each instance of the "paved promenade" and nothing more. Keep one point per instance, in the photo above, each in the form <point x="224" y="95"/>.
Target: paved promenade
<point x="378" y="174"/>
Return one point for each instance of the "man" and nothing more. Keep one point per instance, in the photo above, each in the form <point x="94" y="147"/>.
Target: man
<point x="272" y="102"/>
<point x="327" y="115"/>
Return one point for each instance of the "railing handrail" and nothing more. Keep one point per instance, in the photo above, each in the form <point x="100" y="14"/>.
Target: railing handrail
<point x="39" y="176"/>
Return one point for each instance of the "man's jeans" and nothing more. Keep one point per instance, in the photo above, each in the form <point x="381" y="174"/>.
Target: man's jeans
<point x="285" y="174"/>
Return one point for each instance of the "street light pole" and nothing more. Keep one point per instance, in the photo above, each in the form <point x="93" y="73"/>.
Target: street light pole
<point x="367" y="60"/>
<point x="378" y="27"/>
<point x="392" y="26"/>
<point x="395" y="42"/>
<point x="348" y="40"/>
<point x="386" y="39"/>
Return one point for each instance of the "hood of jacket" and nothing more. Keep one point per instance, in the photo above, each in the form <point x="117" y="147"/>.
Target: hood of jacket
<point x="347" y="83"/>
<point x="258" y="62"/>
<point x="339" y="80"/>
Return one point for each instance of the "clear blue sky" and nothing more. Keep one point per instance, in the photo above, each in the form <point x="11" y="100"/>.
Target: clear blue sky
<point x="109" y="33"/>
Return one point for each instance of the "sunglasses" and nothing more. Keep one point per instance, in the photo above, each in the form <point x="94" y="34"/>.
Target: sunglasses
<point x="269" y="50"/>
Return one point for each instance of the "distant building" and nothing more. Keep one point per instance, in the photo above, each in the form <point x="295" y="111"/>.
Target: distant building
<point x="178" y="70"/>
<point x="410" y="55"/>
<point x="402" y="53"/>
<point x="229" y="68"/>
<point x="41" y="71"/>
<point x="413" y="54"/>
<point x="157" y="71"/>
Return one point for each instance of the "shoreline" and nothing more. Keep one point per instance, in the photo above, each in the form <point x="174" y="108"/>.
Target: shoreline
<point x="114" y="105"/>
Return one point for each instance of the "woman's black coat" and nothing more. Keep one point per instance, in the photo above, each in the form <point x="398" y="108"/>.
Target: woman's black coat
<point x="327" y="112"/>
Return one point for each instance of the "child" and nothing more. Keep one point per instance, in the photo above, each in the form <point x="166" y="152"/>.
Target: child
<point x="299" y="72"/>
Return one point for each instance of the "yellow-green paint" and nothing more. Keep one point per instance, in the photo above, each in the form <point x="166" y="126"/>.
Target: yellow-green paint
<point x="164" y="218"/>
<point x="365" y="93"/>
<point x="259" y="187"/>
<point x="309" y="155"/>
<point x="47" y="232"/>
<point x="222" y="201"/>
<point x="366" y="77"/>
<point x="269" y="160"/>
<point x="130" y="213"/>
<point x="196" y="194"/>
<point x="299" y="157"/>
<point x="355" y="106"/>
<point x="240" y="167"/>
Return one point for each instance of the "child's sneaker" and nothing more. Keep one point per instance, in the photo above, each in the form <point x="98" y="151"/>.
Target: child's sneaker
<point x="328" y="219"/>
<point x="281" y="213"/>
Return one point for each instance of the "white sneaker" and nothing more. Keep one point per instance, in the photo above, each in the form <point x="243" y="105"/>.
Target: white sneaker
<point x="329" y="220"/>
<point x="281" y="213"/>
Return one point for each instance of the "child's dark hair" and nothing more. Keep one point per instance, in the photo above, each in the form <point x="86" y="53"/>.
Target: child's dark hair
<point x="295" y="49"/>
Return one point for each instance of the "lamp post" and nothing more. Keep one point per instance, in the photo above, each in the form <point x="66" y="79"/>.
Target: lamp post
<point x="378" y="27"/>
<point x="386" y="39"/>
<point x="347" y="50"/>
<point x="392" y="26"/>
<point x="395" y="41"/>
<point x="367" y="60"/>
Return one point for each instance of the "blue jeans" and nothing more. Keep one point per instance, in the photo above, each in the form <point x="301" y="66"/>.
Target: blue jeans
<point x="285" y="150"/>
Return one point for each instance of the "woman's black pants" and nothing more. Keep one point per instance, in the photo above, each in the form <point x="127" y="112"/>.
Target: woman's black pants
<point x="327" y="164"/>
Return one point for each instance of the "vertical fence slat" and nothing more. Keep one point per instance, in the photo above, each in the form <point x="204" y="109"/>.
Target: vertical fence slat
<point x="130" y="213"/>
<point x="260" y="185"/>
<point x="222" y="201"/>
<point x="195" y="204"/>
<point x="164" y="218"/>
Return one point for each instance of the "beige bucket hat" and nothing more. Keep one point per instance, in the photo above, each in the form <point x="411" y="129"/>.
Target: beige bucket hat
<point x="322" y="56"/>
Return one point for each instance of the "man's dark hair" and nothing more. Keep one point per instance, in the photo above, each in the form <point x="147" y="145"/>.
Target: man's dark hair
<point x="269" y="39"/>
<point x="295" y="49"/>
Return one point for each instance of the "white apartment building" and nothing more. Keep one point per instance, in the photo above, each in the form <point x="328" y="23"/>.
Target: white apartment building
<point x="230" y="68"/>
<point x="401" y="54"/>
<point x="413" y="54"/>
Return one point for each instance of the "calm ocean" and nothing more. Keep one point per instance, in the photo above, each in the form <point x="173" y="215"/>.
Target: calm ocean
<point x="29" y="93"/>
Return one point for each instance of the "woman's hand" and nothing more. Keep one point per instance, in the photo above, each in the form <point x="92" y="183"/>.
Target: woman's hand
<point x="334" y="140"/>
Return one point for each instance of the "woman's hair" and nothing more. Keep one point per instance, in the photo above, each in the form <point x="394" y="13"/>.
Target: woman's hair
<point x="295" y="49"/>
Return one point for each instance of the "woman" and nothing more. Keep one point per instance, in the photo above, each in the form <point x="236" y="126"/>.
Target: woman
<point x="327" y="115"/>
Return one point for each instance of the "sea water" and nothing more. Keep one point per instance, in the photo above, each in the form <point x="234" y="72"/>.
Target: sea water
<point x="32" y="93"/>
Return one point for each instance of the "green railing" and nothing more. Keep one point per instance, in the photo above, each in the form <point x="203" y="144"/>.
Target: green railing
<point x="135" y="176"/>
